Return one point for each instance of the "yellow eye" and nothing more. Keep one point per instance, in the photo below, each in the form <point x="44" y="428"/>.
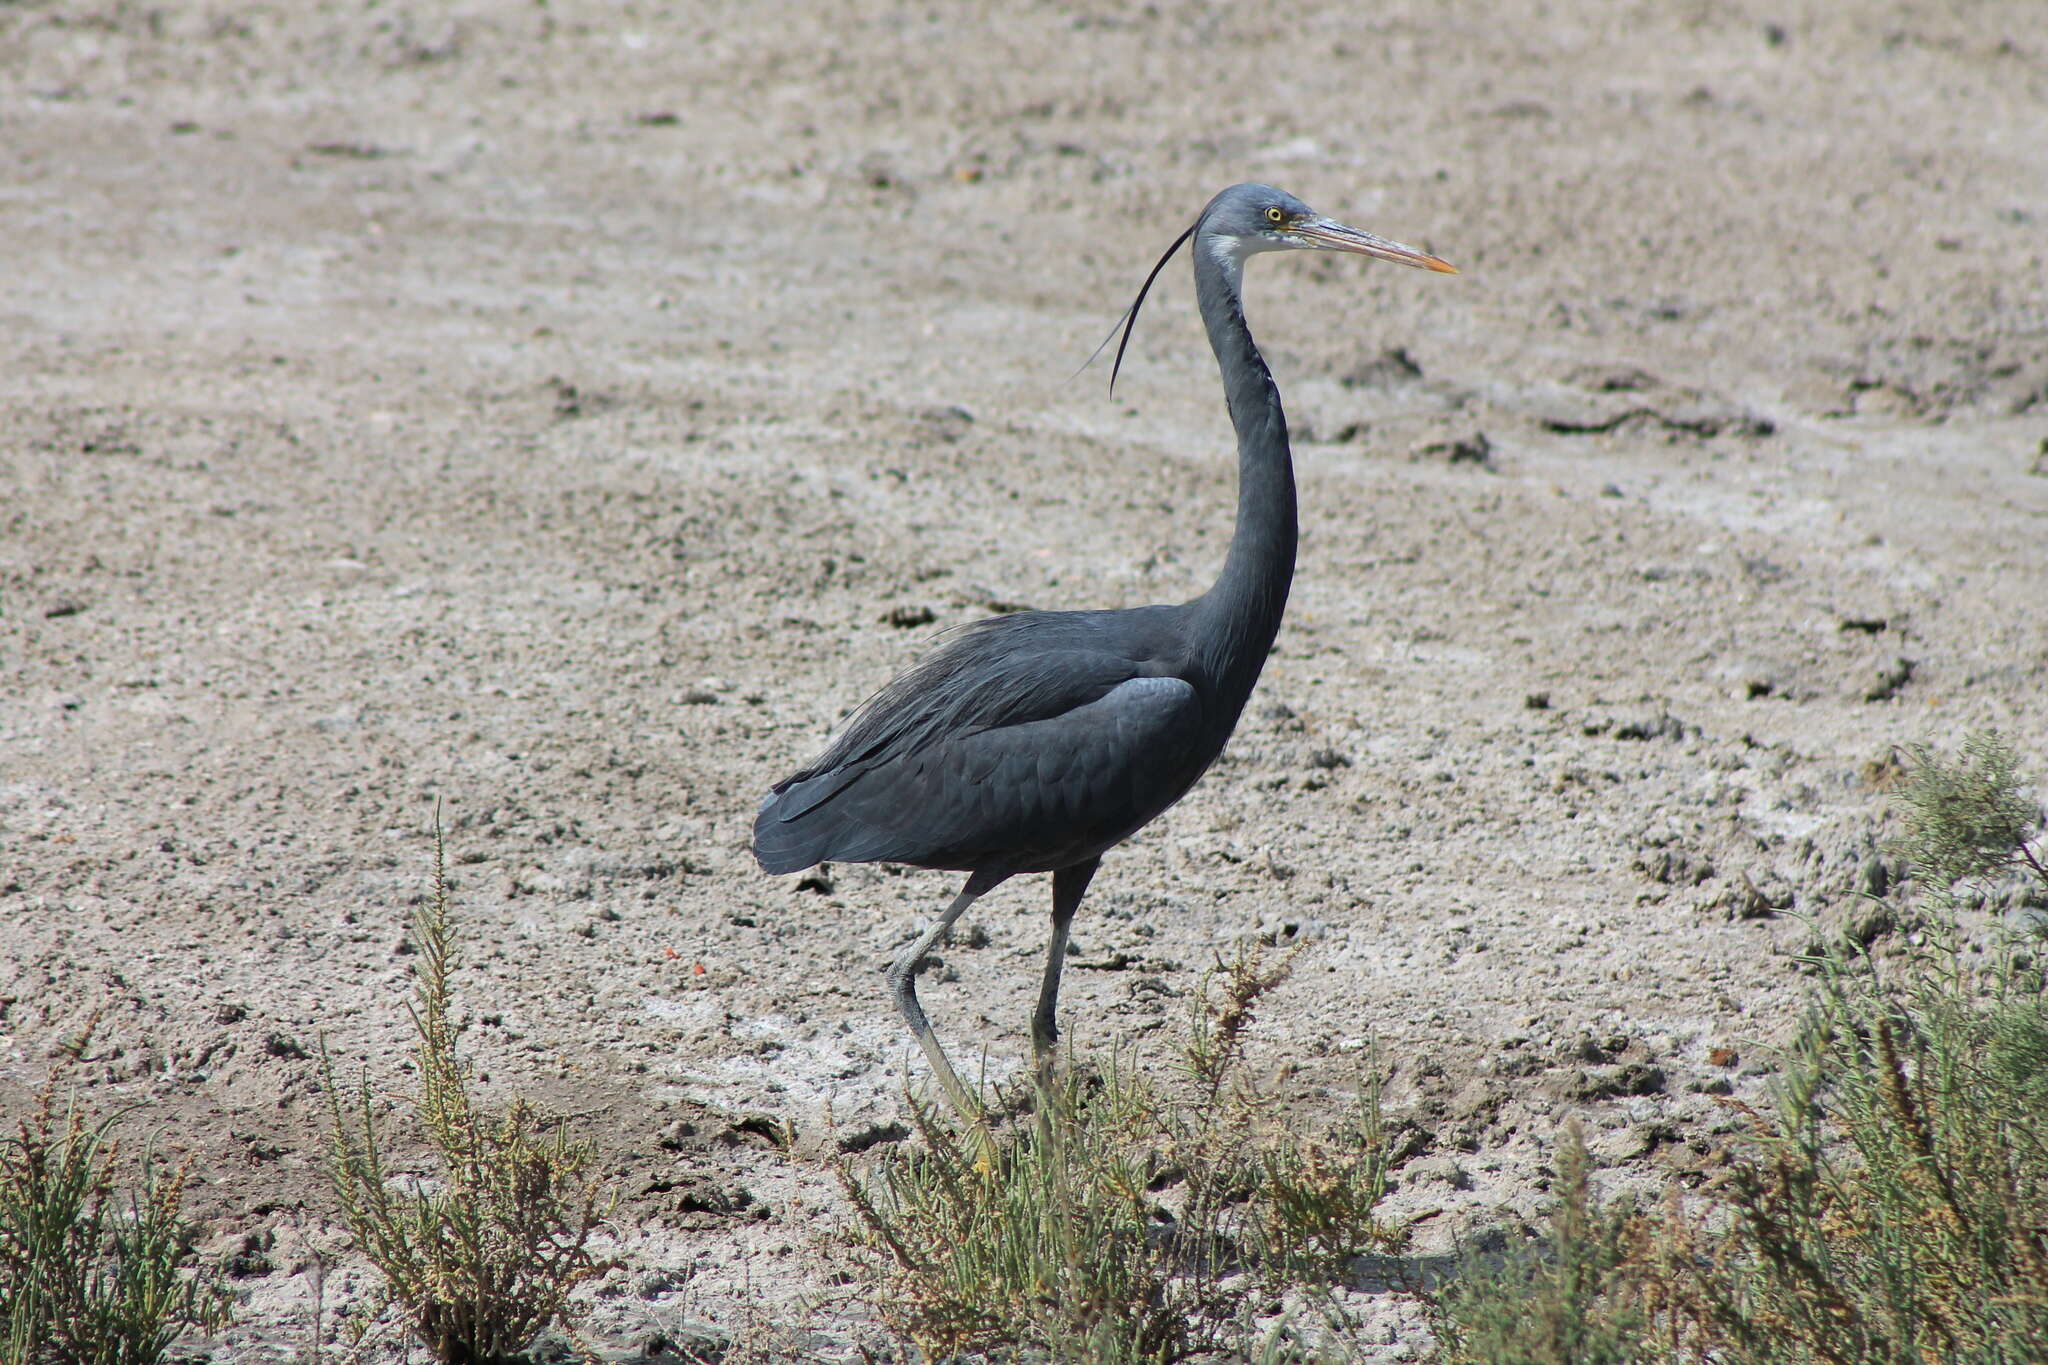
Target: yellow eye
<point x="1274" y="215"/>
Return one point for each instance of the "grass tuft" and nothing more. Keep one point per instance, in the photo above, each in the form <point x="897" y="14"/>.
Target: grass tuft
<point x="1563" y="1299"/>
<point x="1120" y="1220"/>
<point x="1966" y="818"/>
<point x="1890" y="1204"/>
<point x="88" y="1275"/>
<point x="483" y="1259"/>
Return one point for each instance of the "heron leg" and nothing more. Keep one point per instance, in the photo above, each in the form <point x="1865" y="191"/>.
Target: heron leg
<point x="903" y="985"/>
<point x="1069" y="884"/>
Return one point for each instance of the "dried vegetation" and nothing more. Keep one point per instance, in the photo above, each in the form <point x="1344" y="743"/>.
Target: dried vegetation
<point x="482" y="1257"/>
<point x="1116" y="1219"/>
<point x="1890" y="1204"/>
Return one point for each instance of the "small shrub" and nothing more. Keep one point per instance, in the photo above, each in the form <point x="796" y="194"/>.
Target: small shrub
<point x="1119" y="1220"/>
<point x="88" y="1276"/>
<point x="1899" y="1209"/>
<point x="1312" y="1196"/>
<point x="1966" y="818"/>
<point x="486" y="1260"/>
<point x="1046" y="1235"/>
<point x="1565" y="1300"/>
<point x="1889" y="1206"/>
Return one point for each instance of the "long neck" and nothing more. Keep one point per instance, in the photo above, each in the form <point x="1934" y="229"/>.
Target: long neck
<point x="1240" y="614"/>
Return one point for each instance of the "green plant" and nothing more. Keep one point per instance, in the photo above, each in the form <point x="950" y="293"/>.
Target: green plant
<point x="1967" y="818"/>
<point x="1890" y="1203"/>
<point x="1314" y="1213"/>
<point x="87" y="1276"/>
<point x="1311" y="1197"/>
<point x="1047" y="1240"/>
<point x="1898" y="1210"/>
<point x="485" y="1259"/>
<point x="1565" y="1300"/>
<point x="1120" y="1220"/>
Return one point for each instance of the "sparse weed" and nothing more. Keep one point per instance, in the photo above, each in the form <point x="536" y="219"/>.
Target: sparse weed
<point x="1563" y="1301"/>
<point x="1317" y="1197"/>
<point x="1121" y="1220"/>
<point x="485" y="1258"/>
<point x="1315" y="1193"/>
<point x="89" y="1276"/>
<point x="1221" y="1020"/>
<point x="1968" y="818"/>
<point x="1891" y="1205"/>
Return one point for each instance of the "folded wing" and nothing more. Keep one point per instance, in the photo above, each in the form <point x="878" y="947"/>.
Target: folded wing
<point x="995" y="752"/>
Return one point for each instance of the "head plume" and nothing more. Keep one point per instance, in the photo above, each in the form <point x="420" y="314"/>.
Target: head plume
<point x="1129" y="320"/>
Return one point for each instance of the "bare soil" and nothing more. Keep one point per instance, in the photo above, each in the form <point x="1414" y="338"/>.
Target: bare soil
<point x="558" y="415"/>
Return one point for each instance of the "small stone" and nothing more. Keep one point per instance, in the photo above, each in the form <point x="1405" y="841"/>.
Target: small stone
<point x="1747" y="900"/>
<point x="1389" y="369"/>
<point x="1284" y="718"/>
<point x="1674" y="867"/>
<point x="873" y="1135"/>
<point x="1613" y="378"/>
<point x="1663" y="725"/>
<point x="1891" y="677"/>
<point x="1640" y="1078"/>
<point x="284" y="1045"/>
<point x="948" y="423"/>
<point x="1474" y="449"/>
<point x="656" y="1283"/>
<point x="904" y="616"/>
<point x="1406" y="1139"/>
<point x="1608" y="1082"/>
<point x="1870" y="922"/>
<point x="252" y="1260"/>
<point x="1585" y="1049"/>
<point x="1441" y="1169"/>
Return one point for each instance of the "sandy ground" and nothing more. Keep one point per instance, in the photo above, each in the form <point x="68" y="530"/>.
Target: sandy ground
<point x="549" y="412"/>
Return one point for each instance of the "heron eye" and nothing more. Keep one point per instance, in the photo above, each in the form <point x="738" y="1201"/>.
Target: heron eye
<point x="1274" y="215"/>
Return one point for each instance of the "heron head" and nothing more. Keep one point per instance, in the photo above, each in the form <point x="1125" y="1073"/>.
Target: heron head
<point x="1246" y="219"/>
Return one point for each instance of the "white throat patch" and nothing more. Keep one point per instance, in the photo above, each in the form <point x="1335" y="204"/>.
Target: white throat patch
<point x="1229" y="254"/>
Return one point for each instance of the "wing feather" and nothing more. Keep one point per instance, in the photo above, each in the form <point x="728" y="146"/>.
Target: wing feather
<point x="1007" y="743"/>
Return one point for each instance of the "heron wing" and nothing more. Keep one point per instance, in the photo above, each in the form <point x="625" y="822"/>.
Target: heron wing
<point x="984" y="751"/>
<point x="1048" y="792"/>
<point x="1025" y="796"/>
<point x="1010" y="670"/>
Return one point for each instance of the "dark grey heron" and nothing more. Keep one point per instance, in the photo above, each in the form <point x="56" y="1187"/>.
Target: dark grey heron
<point x="1037" y="741"/>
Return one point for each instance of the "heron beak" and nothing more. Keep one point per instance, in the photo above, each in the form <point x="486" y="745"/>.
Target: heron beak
<point x="1329" y="235"/>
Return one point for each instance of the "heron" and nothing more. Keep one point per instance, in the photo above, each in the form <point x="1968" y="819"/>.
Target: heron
<point x="1039" y="740"/>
